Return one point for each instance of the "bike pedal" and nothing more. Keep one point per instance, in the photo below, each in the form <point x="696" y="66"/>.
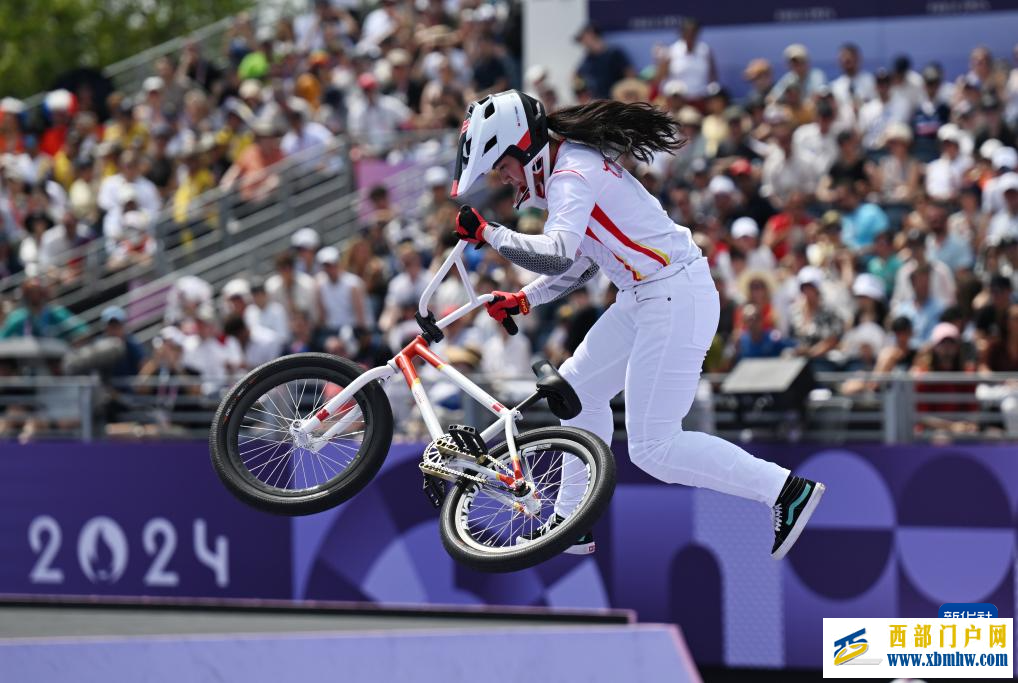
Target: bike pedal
<point x="434" y="489"/>
<point x="468" y="440"/>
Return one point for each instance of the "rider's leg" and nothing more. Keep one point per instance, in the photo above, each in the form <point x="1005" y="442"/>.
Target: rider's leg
<point x="597" y="371"/>
<point x="675" y="322"/>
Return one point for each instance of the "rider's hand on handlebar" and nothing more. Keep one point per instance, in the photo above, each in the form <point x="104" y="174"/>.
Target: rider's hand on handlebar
<point x="504" y="305"/>
<point x="470" y="225"/>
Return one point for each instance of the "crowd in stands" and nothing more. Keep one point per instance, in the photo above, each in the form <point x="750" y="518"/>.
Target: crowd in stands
<point x="865" y="219"/>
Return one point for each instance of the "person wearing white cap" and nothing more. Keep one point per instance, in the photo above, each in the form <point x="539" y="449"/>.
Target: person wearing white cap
<point x="944" y="175"/>
<point x="305" y="243"/>
<point x="342" y="300"/>
<point x="746" y="236"/>
<point x="1004" y="224"/>
<point x="871" y="309"/>
<point x="814" y="326"/>
<point x="1004" y="161"/>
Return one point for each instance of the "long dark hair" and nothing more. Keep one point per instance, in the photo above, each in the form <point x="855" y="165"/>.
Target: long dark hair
<point x="615" y="128"/>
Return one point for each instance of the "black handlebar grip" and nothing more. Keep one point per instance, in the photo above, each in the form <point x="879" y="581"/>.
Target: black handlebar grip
<point x="510" y="325"/>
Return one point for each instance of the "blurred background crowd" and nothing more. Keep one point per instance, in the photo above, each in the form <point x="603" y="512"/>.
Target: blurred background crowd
<point x="866" y="219"/>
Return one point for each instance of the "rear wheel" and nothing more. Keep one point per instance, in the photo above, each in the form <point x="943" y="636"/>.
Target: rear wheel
<point x="266" y="463"/>
<point x="481" y="523"/>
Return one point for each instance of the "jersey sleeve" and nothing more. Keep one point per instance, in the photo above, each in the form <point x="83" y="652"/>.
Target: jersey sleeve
<point x="570" y="202"/>
<point x="547" y="288"/>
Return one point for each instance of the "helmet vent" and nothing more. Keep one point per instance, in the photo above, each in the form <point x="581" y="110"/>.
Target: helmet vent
<point x="489" y="144"/>
<point x="489" y="111"/>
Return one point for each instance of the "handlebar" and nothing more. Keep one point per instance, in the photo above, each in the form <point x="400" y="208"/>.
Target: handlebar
<point x="455" y="258"/>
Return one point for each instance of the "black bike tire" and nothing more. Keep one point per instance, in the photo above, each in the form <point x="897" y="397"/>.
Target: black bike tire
<point x="579" y="523"/>
<point x="372" y="452"/>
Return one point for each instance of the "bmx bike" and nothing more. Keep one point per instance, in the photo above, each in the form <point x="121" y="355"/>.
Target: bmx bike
<point x="306" y="432"/>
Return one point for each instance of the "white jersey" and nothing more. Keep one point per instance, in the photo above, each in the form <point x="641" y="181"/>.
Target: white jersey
<point x="623" y="227"/>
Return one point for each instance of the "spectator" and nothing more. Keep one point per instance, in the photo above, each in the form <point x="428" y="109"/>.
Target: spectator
<point x="263" y="312"/>
<point x="37" y="317"/>
<point x="114" y="319"/>
<point x="258" y="344"/>
<point x="603" y="65"/>
<point x="1004" y="224"/>
<point x="1002" y="356"/>
<point x="809" y="80"/>
<point x="746" y="236"/>
<point x="690" y="61"/>
<point x="816" y="328"/>
<point x="304" y="134"/>
<point x="374" y="118"/>
<point x="896" y="177"/>
<point x="923" y="308"/>
<point x="784" y="171"/>
<point x="861" y="221"/>
<point x="943" y="284"/>
<point x="59" y="252"/>
<point x="789" y="227"/>
<point x="1004" y="162"/>
<point x="294" y="290"/>
<point x="214" y="360"/>
<point x="135" y="245"/>
<point x="406" y="288"/>
<point x="943" y="354"/>
<point x="943" y="246"/>
<point x="854" y="86"/>
<point x="884" y="261"/>
<point x="305" y="243"/>
<point x="944" y="176"/>
<point x="761" y="78"/>
<point x="816" y="142"/>
<point x="758" y="341"/>
<point x="342" y="300"/>
<point x="879" y="113"/>
<point x="112" y="190"/>
<point x="251" y="171"/>
<point x="165" y="375"/>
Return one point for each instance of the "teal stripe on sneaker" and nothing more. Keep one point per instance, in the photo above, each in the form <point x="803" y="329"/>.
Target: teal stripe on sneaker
<point x="797" y="503"/>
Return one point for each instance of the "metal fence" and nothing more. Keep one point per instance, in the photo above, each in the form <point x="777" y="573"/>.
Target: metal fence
<point x="898" y="408"/>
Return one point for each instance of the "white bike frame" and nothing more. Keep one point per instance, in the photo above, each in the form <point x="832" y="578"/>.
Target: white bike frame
<point x="403" y="363"/>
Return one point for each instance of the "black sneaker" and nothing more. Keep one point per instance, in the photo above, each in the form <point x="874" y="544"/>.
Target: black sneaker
<point x="584" y="545"/>
<point x="799" y="498"/>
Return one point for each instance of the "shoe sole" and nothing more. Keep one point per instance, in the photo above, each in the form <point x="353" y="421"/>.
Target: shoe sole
<point x="800" y="524"/>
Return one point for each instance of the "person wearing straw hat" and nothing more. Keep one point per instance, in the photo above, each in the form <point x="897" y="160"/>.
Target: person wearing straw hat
<point x="653" y="340"/>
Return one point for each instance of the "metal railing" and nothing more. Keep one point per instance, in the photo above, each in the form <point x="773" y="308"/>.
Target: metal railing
<point x="895" y="408"/>
<point x="214" y="219"/>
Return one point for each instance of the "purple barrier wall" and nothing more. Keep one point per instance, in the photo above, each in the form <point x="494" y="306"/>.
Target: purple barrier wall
<point x="902" y="530"/>
<point x="132" y="519"/>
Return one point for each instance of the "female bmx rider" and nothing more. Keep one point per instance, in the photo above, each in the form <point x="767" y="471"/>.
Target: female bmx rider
<point x="653" y="340"/>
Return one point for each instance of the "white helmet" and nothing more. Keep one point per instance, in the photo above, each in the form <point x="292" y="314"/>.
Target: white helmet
<point x="512" y="123"/>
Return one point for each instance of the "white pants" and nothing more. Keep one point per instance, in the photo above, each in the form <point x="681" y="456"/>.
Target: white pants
<point x="652" y="343"/>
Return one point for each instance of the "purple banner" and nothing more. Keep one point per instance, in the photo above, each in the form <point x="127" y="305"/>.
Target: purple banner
<point x="132" y="519"/>
<point x="616" y="15"/>
<point x="902" y="530"/>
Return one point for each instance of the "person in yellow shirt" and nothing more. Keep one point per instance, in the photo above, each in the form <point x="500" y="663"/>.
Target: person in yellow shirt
<point x="196" y="179"/>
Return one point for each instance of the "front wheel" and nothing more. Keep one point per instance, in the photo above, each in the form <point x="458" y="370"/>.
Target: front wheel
<point x="264" y="461"/>
<point x="484" y="526"/>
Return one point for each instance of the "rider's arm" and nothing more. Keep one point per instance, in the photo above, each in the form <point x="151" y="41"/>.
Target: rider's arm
<point x="548" y="288"/>
<point x="570" y="202"/>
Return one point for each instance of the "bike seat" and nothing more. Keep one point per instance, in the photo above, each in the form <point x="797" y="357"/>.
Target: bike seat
<point x="561" y="397"/>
